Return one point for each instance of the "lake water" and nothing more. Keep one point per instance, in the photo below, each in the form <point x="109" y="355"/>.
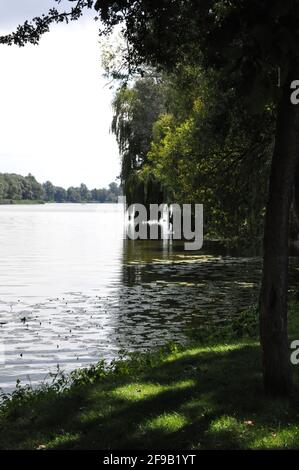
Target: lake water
<point x="73" y="290"/>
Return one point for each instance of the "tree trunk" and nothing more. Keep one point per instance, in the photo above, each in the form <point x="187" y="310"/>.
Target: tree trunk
<point x="273" y="300"/>
<point x="296" y="197"/>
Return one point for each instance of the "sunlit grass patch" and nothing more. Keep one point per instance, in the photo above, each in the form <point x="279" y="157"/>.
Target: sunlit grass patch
<point x="167" y="422"/>
<point x="227" y="432"/>
<point x="226" y="424"/>
<point x="221" y="348"/>
<point x="285" y="438"/>
<point x="140" y="391"/>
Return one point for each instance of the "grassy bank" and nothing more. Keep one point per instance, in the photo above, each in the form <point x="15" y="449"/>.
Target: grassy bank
<point x="199" y="397"/>
<point x="20" y="201"/>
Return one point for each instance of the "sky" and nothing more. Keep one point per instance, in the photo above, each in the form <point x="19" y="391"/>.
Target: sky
<point x="55" y="105"/>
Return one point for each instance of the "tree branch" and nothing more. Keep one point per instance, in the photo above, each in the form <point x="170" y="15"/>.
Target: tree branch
<point x="31" y="32"/>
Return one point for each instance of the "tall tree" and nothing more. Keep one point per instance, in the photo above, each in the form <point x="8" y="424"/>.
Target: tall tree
<point x="136" y="108"/>
<point x="273" y="302"/>
<point x="248" y="41"/>
<point x="296" y="198"/>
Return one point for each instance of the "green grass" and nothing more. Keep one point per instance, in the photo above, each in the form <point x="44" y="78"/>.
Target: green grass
<point x="198" y="397"/>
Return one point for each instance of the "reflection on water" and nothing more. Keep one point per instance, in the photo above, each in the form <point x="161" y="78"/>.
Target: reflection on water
<point x="73" y="291"/>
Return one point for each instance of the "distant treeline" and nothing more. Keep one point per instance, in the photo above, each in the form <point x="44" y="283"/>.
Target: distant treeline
<point x="25" y="188"/>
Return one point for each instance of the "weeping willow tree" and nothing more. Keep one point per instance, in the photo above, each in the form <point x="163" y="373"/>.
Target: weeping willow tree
<point x="135" y="110"/>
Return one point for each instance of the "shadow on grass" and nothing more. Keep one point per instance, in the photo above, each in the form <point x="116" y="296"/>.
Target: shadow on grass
<point x="198" y="399"/>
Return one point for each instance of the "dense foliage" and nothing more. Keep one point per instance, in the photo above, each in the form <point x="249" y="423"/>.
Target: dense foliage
<point x="19" y="188"/>
<point x="182" y="140"/>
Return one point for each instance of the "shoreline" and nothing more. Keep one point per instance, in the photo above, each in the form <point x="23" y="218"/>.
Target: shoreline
<point x="7" y="202"/>
<point x="208" y="394"/>
<point x="12" y="202"/>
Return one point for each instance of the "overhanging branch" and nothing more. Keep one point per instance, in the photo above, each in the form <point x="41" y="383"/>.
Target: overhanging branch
<point x="31" y="31"/>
